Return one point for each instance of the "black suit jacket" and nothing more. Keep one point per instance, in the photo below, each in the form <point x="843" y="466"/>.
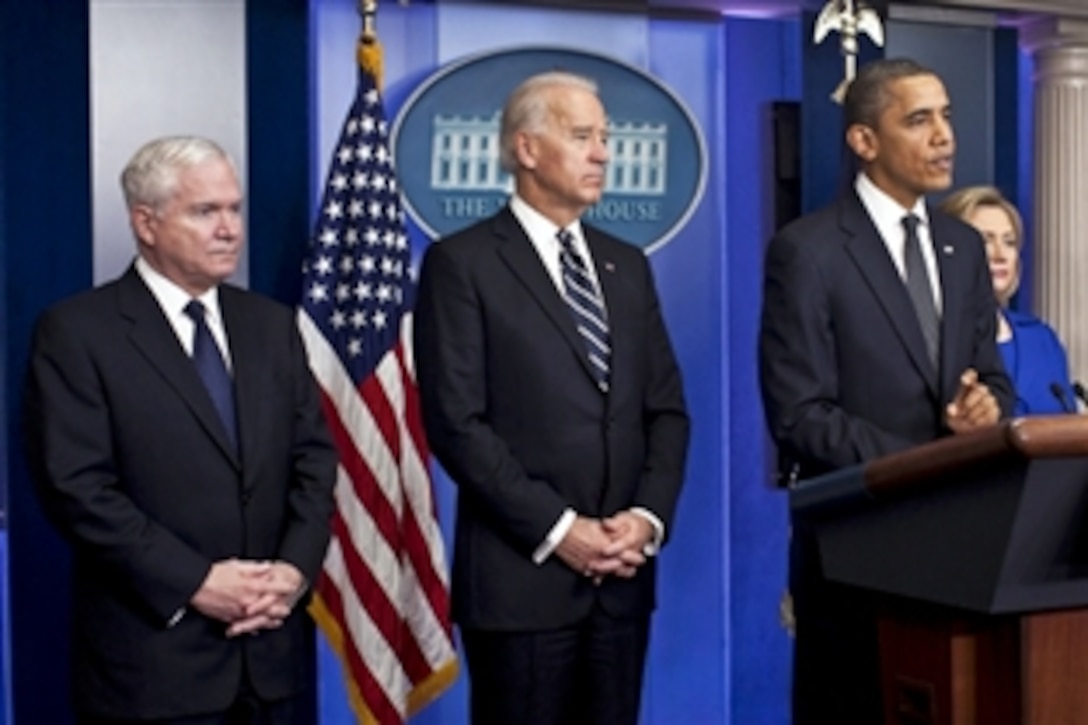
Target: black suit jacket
<point x="134" y="467"/>
<point x="513" y="414"/>
<point x="843" y="366"/>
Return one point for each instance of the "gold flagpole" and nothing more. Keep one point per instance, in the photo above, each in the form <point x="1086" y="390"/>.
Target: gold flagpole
<point x="368" y="51"/>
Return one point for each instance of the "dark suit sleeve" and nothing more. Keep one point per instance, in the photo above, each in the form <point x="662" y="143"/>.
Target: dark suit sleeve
<point x="798" y="370"/>
<point x="450" y="349"/>
<point x="665" y="413"/>
<point x="309" y="499"/>
<point x="71" y="451"/>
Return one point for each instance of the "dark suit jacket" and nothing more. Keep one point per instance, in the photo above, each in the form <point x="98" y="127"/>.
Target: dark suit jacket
<point x="514" y="416"/>
<point x="843" y="367"/>
<point x="134" y="468"/>
<point x="846" y="378"/>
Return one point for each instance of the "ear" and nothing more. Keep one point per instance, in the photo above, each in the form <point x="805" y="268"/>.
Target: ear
<point x="525" y="148"/>
<point x="863" y="142"/>
<point x="143" y="220"/>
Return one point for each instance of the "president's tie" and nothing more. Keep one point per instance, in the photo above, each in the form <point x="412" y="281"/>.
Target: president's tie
<point x="213" y="371"/>
<point x="920" y="289"/>
<point x="587" y="307"/>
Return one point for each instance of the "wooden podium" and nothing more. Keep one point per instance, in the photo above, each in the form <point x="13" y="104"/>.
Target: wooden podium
<point x="980" y="544"/>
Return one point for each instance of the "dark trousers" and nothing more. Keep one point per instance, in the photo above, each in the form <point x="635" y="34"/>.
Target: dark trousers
<point x="836" y="660"/>
<point x="587" y="674"/>
<point x="247" y="709"/>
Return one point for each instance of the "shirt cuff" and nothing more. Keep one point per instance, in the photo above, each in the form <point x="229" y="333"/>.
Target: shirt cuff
<point x="175" y="618"/>
<point x="653" y="545"/>
<point x="555" y="536"/>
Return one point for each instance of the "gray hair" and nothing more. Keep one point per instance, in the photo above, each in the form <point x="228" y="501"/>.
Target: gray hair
<point x="527" y="109"/>
<point x="150" y="177"/>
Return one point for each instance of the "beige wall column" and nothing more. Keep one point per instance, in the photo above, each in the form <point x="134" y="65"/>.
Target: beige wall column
<point x="1061" y="181"/>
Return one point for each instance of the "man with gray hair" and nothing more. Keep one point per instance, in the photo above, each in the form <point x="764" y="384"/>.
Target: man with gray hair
<point x="177" y="441"/>
<point x="551" y="396"/>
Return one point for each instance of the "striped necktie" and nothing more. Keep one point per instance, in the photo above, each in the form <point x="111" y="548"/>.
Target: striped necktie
<point x="213" y="371"/>
<point x="587" y="307"/>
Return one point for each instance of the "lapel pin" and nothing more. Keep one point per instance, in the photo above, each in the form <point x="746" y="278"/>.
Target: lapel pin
<point x="609" y="267"/>
<point x="948" y="249"/>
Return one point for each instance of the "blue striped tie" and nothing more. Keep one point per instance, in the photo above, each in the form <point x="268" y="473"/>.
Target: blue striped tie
<point x="587" y="307"/>
<point x="213" y="371"/>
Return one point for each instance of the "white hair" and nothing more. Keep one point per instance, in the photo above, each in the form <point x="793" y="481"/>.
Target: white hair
<point x="527" y="108"/>
<point x="150" y="177"/>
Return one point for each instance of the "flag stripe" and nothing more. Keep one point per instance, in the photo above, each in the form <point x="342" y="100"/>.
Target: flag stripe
<point x="424" y="551"/>
<point x="388" y="625"/>
<point x="353" y="623"/>
<point x="377" y="540"/>
<point x="364" y="483"/>
<point x="383" y="595"/>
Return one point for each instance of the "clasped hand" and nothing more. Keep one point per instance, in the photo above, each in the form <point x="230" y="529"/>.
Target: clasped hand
<point x="249" y="595"/>
<point x="600" y="547"/>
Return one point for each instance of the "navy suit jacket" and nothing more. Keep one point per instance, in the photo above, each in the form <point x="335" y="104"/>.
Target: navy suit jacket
<point x="513" y="414"/>
<point x="134" y="467"/>
<point x="843" y="365"/>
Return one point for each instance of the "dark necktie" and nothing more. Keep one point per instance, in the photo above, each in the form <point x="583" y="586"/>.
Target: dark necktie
<point x="587" y="307"/>
<point x="920" y="289"/>
<point x="213" y="371"/>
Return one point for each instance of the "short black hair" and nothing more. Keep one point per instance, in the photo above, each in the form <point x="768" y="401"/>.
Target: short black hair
<point x="867" y="96"/>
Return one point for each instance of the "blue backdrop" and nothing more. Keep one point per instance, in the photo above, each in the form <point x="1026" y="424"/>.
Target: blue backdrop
<point x="718" y="654"/>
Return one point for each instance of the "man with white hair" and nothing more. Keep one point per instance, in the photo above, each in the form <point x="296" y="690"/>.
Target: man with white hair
<point x="177" y="441"/>
<point x="551" y="396"/>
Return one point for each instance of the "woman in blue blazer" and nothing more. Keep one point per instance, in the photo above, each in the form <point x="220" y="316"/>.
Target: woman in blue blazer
<point x="1034" y="357"/>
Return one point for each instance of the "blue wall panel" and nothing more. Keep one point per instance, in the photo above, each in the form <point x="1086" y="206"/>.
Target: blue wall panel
<point x="278" y="108"/>
<point x="762" y="66"/>
<point x="963" y="57"/>
<point x="5" y="617"/>
<point x="687" y="672"/>
<point x="47" y="234"/>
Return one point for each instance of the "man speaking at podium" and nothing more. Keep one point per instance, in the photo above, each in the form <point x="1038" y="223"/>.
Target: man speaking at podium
<point x="877" y="335"/>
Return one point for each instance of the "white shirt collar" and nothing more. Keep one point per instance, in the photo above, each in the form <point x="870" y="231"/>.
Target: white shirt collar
<point x="884" y="210"/>
<point x="887" y="216"/>
<point x="538" y="226"/>
<point x="172" y="298"/>
<point x="542" y="234"/>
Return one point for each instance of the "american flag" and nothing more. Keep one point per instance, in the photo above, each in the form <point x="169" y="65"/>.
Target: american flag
<point x="383" y="596"/>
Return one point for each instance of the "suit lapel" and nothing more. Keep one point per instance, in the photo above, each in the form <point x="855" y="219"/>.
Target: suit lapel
<point x="949" y="263"/>
<point x="154" y="338"/>
<point x="521" y="257"/>
<point x="871" y="257"/>
<point x="249" y="361"/>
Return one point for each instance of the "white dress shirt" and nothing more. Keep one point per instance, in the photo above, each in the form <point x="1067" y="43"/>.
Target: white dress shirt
<point x="887" y="215"/>
<point x="542" y="232"/>
<point x="173" y="299"/>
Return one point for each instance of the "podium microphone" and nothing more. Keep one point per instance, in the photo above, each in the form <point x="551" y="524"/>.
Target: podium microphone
<point x="1059" y="392"/>
<point x="1080" y="392"/>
